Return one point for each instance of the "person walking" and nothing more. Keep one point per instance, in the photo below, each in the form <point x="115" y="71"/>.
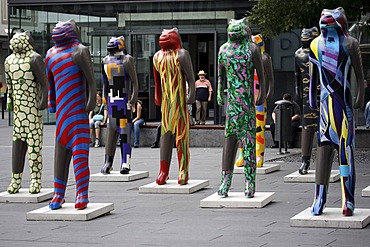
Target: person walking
<point x="203" y="95"/>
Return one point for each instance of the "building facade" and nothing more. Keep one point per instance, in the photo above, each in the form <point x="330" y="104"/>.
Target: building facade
<point x="202" y="25"/>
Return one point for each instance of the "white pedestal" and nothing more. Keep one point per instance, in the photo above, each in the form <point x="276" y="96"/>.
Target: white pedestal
<point x="172" y="187"/>
<point x="265" y="169"/>
<point x="115" y="176"/>
<point x="295" y="177"/>
<point x="23" y="196"/>
<point x="332" y="218"/>
<point x="366" y="191"/>
<point x="238" y="200"/>
<point x="68" y="212"/>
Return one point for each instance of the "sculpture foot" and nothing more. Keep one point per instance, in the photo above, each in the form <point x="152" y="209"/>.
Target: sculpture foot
<point x="163" y="173"/>
<point x="320" y="199"/>
<point x="81" y="202"/>
<point x="125" y="169"/>
<point x="348" y="190"/>
<point x="59" y="192"/>
<point x="15" y="183"/>
<point x="226" y="179"/>
<point x="35" y="186"/>
<point x="106" y="169"/>
<point x="240" y="161"/>
<point x="304" y="167"/>
<point x="249" y="190"/>
<point x="182" y="180"/>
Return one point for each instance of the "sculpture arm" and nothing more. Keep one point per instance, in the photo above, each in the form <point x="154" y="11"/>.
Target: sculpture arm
<point x="51" y="87"/>
<point x="354" y="51"/>
<point x="130" y="68"/>
<point x="38" y="69"/>
<point x="105" y="86"/>
<point x="269" y="71"/>
<point x="220" y="80"/>
<point x="157" y="84"/>
<point x="187" y="68"/>
<point x="81" y="56"/>
<point x="297" y="76"/>
<point x="314" y="78"/>
<point x="257" y="61"/>
<point x="9" y="87"/>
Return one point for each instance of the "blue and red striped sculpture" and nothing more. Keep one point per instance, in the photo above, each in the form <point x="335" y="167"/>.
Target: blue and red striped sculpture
<point x="72" y="92"/>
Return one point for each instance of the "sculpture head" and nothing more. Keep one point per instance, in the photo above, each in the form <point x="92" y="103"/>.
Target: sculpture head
<point x="307" y="35"/>
<point x="239" y="30"/>
<point x="258" y="40"/>
<point x="116" y="44"/>
<point x="65" y="32"/>
<point x="21" y="42"/>
<point x="334" y="18"/>
<point x="170" y="39"/>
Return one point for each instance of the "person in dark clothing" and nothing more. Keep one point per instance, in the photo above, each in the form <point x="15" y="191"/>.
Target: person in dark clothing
<point x="295" y="121"/>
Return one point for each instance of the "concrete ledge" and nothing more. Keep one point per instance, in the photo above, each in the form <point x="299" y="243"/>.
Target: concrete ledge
<point x="68" y="213"/>
<point x="172" y="187"/>
<point x="23" y="196"/>
<point x="238" y="200"/>
<point x="332" y="218"/>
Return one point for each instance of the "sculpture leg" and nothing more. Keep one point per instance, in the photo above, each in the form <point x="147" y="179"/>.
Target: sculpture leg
<point x="228" y="159"/>
<point x="62" y="158"/>
<point x="306" y="147"/>
<point x="18" y="157"/>
<point x="249" y="153"/>
<point x="110" y="150"/>
<point x="125" y="143"/>
<point x="80" y="154"/>
<point x="35" y="162"/>
<point x="166" y="143"/>
<point x="183" y="156"/>
<point x="347" y="179"/>
<point x="323" y="169"/>
<point x="260" y="133"/>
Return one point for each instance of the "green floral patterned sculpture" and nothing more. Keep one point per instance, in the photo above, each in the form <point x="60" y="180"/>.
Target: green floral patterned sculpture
<point x="27" y="96"/>
<point x="237" y="59"/>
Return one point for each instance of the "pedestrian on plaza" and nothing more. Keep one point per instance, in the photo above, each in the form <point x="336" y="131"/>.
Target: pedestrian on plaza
<point x="295" y="121"/>
<point x="203" y="95"/>
<point x="97" y="119"/>
<point x="137" y="110"/>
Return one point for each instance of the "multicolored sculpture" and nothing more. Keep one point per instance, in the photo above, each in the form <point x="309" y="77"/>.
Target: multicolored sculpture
<point x="172" y="69"/>
<point x="333" y="54"/>
<point x="72" y="94"/>
<point x="238" y="57"/>
<point x="119" y="80"/>
<point x="27" y="96"/>
<point x="310" y="118"/>
<point x="261" y="110"/>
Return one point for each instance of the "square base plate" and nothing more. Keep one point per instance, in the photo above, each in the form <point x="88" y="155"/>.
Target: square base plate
<point x="332" y="218"/>
<point x="295" y="177"/>
<point x="68" y="212"/>
<point x="366" y="191"/>
<point x="238" y="200"/>
<point x="115" y="176"/>
<point x="172" y="187"/>
<point x="23" y="196"/>
<point x="265" y="169"/>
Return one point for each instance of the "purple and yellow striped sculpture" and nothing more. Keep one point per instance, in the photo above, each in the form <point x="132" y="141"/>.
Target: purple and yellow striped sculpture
<point x="119" y="81"/>
<point x="333" y="54"/>
<point x="72" y="94"/>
